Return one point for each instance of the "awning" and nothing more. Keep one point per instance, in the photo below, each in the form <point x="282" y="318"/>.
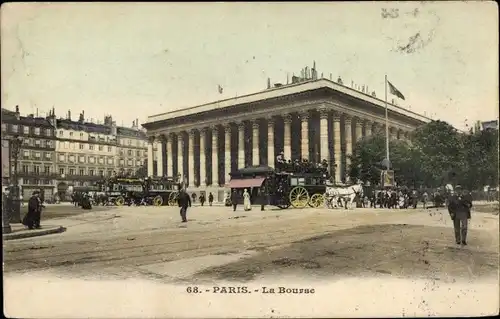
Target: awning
<point x="249" y="182"/>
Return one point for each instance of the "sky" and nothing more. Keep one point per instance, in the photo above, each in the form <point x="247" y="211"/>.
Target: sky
<point x="132" y="60"/>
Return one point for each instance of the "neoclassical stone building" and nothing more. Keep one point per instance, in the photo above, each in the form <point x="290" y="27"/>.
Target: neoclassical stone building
<point x="316" y="119"/>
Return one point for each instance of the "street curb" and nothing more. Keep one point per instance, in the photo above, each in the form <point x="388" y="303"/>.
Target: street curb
<point x="43" y="232"/>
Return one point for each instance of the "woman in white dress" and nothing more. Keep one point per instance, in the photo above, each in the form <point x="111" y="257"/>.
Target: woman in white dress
<point x="246" y="201"/>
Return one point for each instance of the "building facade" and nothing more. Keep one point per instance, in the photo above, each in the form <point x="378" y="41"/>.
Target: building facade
<point x="314" y="119"/>
<point x="35" y="159"/>
<point x="87" y="152"/>
<point x="58" y="154"/>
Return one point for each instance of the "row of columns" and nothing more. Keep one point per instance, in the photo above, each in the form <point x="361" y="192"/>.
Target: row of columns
<point x="164" y="146"/>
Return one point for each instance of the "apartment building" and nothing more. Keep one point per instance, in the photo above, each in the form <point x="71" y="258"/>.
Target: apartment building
<point x="36" y="152"/>
<point x="87" y="151"/>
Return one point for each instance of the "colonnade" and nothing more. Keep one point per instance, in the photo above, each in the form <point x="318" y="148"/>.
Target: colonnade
<point x="205" y="156"/>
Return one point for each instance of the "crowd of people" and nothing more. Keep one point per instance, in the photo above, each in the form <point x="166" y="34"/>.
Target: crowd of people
<point x="300" y="165"/>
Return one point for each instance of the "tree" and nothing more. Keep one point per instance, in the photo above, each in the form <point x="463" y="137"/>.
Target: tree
<point x="369" y="153"/>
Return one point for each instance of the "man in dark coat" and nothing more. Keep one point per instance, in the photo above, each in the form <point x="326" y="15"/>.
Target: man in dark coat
<point x="210" y="199"/>
<point x="34" y="206"/>
<point x="234" y="199"/>
<point x="459" y="207"/>
<point x="184" y="202"/>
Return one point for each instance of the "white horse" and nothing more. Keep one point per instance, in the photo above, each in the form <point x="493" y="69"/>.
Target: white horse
<point x="346" y="194"/>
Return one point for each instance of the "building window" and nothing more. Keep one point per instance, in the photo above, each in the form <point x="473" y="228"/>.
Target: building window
<point x="101" y="172"/>
<point x="81" y="159"/>
<point x="72" y="145"/>
<point x="48" y="132"/>
<point x="26" y="142"/>
<point x="61" y="171"/>
<point x="110" y="172"/>
<point x="72" y="158"/>
<point x="70" y="134"/>
<point x="122" y="162"/>
<point x="36" y="169"/>
<point x="37" y="143"/>
<point x="137" y="153"/>
<point x="37" y="131"/>
<point x="25" y="168"/>
<point x="26" y="154"/>
<point x="37" y="154"/>
<point x="61" y="133"/>
<point x="15" y="128"/>
<point x="130" y="163"/>
<point x="61" y="158"/>
<point x="48" y="144"/>
<point x="82" y="171"/>
<point x="48" y="156"/>
<point x="129" y="142"/>
<point x="71" y="171"/>
<point x="81" y="146"/>
<point x="4" y="127"/>
<point x="110" y="161"/>
<point x="101" y="160"/>
<point x="66" y="144"/>
<point x="101" y="147"/>
<point x="26" y="130"/>
<point x="91" y="172"/>
<point x="91" y="147"/>
<point x="129" y="152"/>
<point x="81" y="135"/>
<point x="92" y="160"/>
<point x="46" y="169"/>
<point x="110" y="149"/>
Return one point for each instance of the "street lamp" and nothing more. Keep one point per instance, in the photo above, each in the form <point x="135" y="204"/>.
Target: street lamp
<point x="15" y="148"/>
<point x="11" y="207"/>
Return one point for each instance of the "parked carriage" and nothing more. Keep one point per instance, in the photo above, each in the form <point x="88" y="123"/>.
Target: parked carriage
<point x="282" y="189"/>
<point x="150" y="191"/>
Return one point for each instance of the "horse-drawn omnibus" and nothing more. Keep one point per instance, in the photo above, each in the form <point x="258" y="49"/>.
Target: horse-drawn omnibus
<point x="289" y="186"/>
<point x="150" y="191"/>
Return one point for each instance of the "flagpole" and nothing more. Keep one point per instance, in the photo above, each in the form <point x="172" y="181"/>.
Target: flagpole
<point x="386" y="127"/>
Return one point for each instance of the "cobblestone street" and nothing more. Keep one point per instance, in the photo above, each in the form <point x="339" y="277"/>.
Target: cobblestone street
<point x="216" y="245"/>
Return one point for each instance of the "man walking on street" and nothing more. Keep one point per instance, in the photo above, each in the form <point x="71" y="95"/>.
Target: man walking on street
<point x="459" y="207"/>
<point x="31" y="219"/>
<point x="210" y="199"/>
<point x="234" y="199"/>
<point x="184" y="202"/>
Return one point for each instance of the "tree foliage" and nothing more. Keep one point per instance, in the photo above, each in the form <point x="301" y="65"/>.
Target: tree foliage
<point x="435" y="155"/>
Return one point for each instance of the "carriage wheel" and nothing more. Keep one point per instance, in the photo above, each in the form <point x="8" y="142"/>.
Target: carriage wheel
<point x="299" y="197"/>
<point x="172" y="198"/>
<point x="158" y="201"/>
<point x="119" y="201"/>
<point x="317" y="200"/>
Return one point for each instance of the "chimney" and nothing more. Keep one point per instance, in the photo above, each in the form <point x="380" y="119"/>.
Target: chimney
<point x="53" y="111"/>
<point x="18" y="114"/>
<point x="330" y="76"/>
<point x="307" y="72"/>
<point x="36" y="112"/>
<point x="268" y="83"/>
<point x="69" y="115"/>
<point x="352" y="84"/>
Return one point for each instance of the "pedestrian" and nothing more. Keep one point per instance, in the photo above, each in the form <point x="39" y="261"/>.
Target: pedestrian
<point x="459" y="207"/>
<point x="31" y="217"/>
<point x="210" y="199"/>
<point x="234" y="199"/>
<point x="184" y="202"/>
<point x="194" y="197"/>
<point x="247" y="205"/>
<point x="202" y="199"/>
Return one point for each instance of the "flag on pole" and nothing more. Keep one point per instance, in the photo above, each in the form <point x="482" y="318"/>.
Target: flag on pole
<point x="395" y="91"/>
<point x="220" y="89"/>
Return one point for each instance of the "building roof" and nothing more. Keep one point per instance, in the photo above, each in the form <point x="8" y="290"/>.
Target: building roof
<point x="10" y="117"/>
<point x="83" y="126"/>
<point x="281" y="91"/>
<point x="127" y="131"/>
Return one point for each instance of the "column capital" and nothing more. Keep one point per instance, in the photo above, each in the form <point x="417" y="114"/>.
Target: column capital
<point x="323" y="112"/>
<point x="366" y="122"/>
<point x="151" y="139"/>
<point x="241" y="125"/>
<point x="192" y="132"/>
<point x="347" y="119"/>
<point x="227" y="127"/>
<point x="336" y="116"/>
<point x="255" y="125"/>
<point x="203" y="130"/>
<point x="214" y="127"/>
<point x="359" y="123"/>
<point x="304" y="115"/>
<point x="287" y="118"/>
